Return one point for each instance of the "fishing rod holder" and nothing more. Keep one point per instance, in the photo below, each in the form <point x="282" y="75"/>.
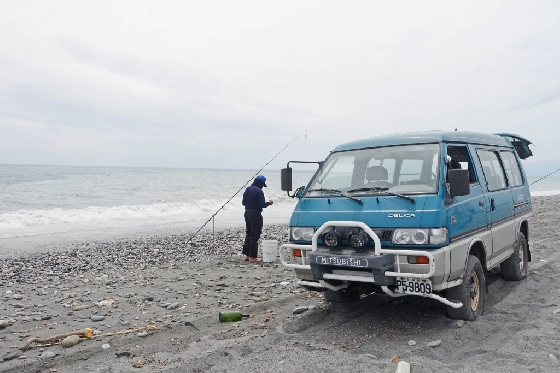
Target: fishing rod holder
<point x="286" y="179"/>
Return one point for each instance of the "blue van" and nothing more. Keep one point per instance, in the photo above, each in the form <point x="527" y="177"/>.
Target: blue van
<point x="425" y="214"/>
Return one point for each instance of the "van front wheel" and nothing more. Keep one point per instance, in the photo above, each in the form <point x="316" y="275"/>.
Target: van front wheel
<point x="472" y="293"/>
<point x="514" y="268"/>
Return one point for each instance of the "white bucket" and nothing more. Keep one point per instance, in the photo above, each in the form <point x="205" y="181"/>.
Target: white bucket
<point x="269" y="250"/>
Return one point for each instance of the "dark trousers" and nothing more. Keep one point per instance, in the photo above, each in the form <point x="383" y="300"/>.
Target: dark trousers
<point x="253" y="229"/>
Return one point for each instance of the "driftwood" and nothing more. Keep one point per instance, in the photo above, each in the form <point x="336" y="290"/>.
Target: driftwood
<point x="26" y="345"/>
<point x="86" y="333"/>
<point x="148" y="328"/>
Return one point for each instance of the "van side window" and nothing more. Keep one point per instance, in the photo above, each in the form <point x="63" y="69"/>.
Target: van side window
<point x="460" y="160"/>
<point x="512" y="168"/>
<point x="493" y="172"/>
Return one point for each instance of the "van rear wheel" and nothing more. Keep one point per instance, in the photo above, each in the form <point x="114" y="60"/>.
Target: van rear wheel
<point x="472" y="293"/>
<point x="514" y="268"/>
<point x="342" y="296"/>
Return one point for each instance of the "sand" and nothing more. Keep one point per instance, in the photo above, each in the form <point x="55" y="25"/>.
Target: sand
<point x="180" y="289"/>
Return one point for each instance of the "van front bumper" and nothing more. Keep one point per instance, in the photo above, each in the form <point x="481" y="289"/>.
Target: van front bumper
<point x="325" y="263"/>
<point x="380" y="266"/>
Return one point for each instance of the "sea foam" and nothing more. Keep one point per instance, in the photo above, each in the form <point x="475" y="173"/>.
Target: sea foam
<point x="24" y="223"/>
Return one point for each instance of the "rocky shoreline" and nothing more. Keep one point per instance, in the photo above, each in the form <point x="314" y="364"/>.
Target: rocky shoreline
<point x="168" y="294"/>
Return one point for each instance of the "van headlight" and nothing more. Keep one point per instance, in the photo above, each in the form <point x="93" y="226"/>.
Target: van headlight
<point x="419" y="236"/>
<point x="302" y="233"/>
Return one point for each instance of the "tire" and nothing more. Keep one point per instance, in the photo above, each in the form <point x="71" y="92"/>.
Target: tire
<point x="472" y="293"/>
<point x="514" y="268"/>
<point x="342" y="296"/>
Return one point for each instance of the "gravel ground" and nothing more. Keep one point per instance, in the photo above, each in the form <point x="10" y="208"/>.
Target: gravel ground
<point x="177" y="290"/>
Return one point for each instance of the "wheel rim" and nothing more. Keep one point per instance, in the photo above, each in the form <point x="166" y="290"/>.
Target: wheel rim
<point x="475" y="291"/>
<point x="521" y="256"/>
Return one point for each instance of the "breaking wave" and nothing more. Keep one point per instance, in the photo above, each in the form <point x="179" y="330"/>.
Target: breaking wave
<point x="25" y="223"/>
<point x="92" y="214"/>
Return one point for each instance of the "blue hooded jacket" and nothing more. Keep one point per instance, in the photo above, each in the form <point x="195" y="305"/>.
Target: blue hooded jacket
<point x="253" y="197"/>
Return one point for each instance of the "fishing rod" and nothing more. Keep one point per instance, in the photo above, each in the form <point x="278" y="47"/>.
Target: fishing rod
<point x="236" y="193"/>
<point x="544" y="176"/>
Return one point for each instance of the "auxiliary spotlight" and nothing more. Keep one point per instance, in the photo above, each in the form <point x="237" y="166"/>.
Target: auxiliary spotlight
<point x="330" y="238"/>
<point x="358" y="240"/>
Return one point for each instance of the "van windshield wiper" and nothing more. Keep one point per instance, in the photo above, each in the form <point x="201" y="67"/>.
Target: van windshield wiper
<point x="383" y="190"/>
<point x="335" y="191"/>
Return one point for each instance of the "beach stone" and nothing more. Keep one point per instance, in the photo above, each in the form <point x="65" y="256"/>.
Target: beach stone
<point x="104" y="303"/>
<point x="18" y="296"/>
<point x="403" y="367"/>
<point x="552" y="357"/>
<point x="3" y="324"/>
<point x="456" y="324"/>
<point x="105" y="346"/>
<point x="81" y="307"/>
<point x="299" y="310"/>
<point x="47" y="355"/>
<point x="434" y="343"/>
<point x="556" y="312"/>
<point x="70" y="341"/>
<point x="97" y="318"/>
<point x="172" y="306"/>
<point x="142" y="334"/>
<point x="412" y="343"/>
<point x="12" y="355"/>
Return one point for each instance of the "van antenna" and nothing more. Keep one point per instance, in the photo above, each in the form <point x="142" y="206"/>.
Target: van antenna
<point x="544" y="177"/>
<point x="236" y="193"/>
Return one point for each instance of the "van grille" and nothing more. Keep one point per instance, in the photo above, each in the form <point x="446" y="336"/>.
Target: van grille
<point x="383" y="234"/>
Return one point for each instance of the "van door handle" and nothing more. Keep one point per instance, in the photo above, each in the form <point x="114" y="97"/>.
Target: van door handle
<point x="481" y="203"/>
<point x="492" y="205"/>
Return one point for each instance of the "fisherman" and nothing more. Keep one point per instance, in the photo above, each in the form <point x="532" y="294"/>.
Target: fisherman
<point x="253" y="200"/>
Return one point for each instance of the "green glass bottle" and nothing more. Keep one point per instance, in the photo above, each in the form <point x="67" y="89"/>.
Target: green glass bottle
<point x="231" y="316"/>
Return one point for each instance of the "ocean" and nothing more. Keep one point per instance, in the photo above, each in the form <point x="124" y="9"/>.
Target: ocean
<point x="42" y="206"/>
<point x="47" y="206"/>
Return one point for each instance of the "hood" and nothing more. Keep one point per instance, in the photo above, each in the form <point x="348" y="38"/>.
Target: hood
<point x="380" y="211"/>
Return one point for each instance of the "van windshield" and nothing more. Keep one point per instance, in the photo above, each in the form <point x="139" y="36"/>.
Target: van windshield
<point x="403" y="169"/>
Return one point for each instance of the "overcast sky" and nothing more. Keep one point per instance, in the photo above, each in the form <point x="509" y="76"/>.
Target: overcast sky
<point x="227" y="84"/>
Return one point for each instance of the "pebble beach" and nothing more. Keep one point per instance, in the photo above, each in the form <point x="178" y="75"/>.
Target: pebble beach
<point x="153" y="302"/>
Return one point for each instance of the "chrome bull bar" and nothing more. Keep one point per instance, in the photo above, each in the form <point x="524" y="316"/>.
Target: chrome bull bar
<point x="378" y="250"/>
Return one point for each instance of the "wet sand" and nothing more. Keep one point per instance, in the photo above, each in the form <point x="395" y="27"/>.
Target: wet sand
<point x="180" y="289"/>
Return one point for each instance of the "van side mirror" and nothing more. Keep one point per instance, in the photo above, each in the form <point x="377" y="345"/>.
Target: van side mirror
<point x="459" y="183"/>
<point x="286" y="179"/>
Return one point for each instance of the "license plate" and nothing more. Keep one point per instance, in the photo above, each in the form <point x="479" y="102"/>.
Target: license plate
<point x="417" y="286"/>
